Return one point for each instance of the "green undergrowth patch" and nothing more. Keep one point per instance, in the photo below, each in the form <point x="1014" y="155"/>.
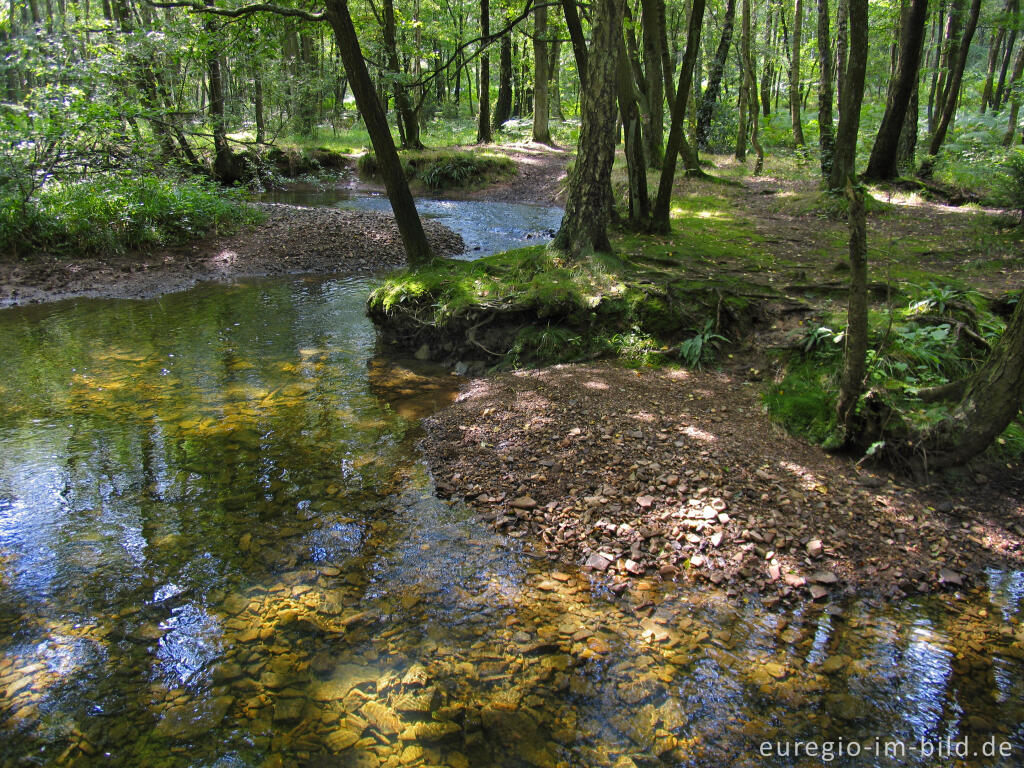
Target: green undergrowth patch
<point x="114" y="214"/>
<point x="939" y="334"/>
<point x="534" y="306"/>
<point x="439" y="169"/>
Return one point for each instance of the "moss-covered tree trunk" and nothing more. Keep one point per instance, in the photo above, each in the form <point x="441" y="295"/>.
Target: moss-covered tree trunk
<point x="417" y="248"/>
<point x="883" y="163"/>
<point x="588" y="208"/>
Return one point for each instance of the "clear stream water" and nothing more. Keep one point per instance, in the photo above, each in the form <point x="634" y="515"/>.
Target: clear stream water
<point x="219" y="547"/>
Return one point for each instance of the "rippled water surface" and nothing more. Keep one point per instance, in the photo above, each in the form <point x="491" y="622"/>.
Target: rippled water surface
<point x="218" y="547"/>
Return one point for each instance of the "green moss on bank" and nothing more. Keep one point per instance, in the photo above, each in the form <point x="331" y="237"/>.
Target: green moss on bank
<point x="445" y="169"/>
<point x="533" y="306"/>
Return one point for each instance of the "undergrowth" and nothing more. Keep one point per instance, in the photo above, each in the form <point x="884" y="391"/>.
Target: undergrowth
<point x="437" y="169"/>
<point x="114" y="214"/>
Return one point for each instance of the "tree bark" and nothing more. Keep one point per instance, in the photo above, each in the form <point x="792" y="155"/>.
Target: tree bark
<point x="794" y="75"/>
<point x="503" y="103"/>
<point x="636" y="165"/>
<point x="882" y="164"/>
<point x="417" y="248"/>
<point x="541" y="126"/>
<point x="906" y="150"/>
<point x="408" y="115"/>
<point x="953" y="90"/>
<point x="579" y="43"/>
<point x="555" y="78"/>
<point x="851" y="384"/>
<point x="588" y="207"/>
<point x="483" y="128"/>
<point x="711" y="91"/>
<point x="751" y="83"/>
<point x="826" y="135"/>
<point x="660" y="219"/>
<point x="853" y="93"/>
<point x="1015" y="85"/>
<point x="654" y="127"/>
<point x="997" y="101"/>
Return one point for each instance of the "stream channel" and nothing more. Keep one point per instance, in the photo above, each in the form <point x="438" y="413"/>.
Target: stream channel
<point x="219" y="546"/>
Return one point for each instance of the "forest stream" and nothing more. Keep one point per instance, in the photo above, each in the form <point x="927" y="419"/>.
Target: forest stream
<point x="219" y="546"/>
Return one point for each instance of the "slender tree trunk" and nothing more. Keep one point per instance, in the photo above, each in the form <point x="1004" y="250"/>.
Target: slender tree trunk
<point x="711" y="91"/>
<point x="741" y="115"/>
<point x="257" y="85"/>
<point x="883" y="162"/>
<point x="224" y="166"/>
<point x="794" y="74"/>
<point x="853" y="93"/>
<point x="555" y="70"/>
<point x="994" y="49"/>
<point x="997" y="101"/>
<point x="826" y="136"/>
<point x="934" y="56"/>
<point x="851" y="384"/>
<point x="1015" y="85"/>
<point x="417" y="248"/>
<point x="636" y="165"/>
<point x="503" y="103"/>
<point x="541" y="127"/>
<point x="409" y="119"/>
<point x="953" y="91"/>
<point x="483" y="129"/>
<point x="751" y="88"/>
<point x="842" y="48"/>
<point x="654" y="128"/>
<point x="588" y="208"/>
<point x="660" y="219"/>
<point x="579" y="43"/>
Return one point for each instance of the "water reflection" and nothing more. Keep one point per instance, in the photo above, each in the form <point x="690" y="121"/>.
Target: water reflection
<point x="217" y="547"/>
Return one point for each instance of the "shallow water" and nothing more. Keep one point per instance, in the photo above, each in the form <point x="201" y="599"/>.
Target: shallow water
<point x="486" y="227"/>
<point x="219" y="547"/>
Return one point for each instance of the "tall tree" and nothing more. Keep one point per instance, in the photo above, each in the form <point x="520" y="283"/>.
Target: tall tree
<point x="503" y="103"/>
<point x="712" y="89"/>
<point x="1016" y="82"/>
<point x="483" y="129"/>
<point x="794" y="74"/>
<point x="853" y="94"/>
<point x="952" y="91"/>
<point x="660" y="217"/>
<point x="884" y="154"/>
<point x="753" y="102"/>
<point x="826" y="137"/>
<point x="409" y="120"/>
<point x="654" y="133"/>
<point x="541" y="115"/>
<point x="584" y="227"/>
<point x="636" y="163"/>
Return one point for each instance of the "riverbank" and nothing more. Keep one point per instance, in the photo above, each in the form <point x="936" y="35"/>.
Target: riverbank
<point x="291" y="240"/>
<point x="680" y="476"/>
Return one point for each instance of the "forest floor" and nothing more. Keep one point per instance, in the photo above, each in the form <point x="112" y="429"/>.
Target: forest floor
<point x="290" y="240"/>
<point x="682" y="476"/>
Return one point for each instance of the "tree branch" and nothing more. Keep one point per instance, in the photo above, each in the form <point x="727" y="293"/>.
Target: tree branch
<point x="194" y="6"/>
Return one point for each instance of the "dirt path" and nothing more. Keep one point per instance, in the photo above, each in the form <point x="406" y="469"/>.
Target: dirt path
<point x="540" y="178"/>
<point x="680" y="476"/>
<point x="291" y="240"/>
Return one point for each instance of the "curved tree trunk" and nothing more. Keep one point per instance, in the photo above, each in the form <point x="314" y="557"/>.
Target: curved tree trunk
<point x="417" y="248"/>
<point x="588" y="208"/>
<point x="883" y="161"/>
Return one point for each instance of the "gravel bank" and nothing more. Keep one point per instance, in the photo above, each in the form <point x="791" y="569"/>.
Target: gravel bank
<point x="292" y="240"/>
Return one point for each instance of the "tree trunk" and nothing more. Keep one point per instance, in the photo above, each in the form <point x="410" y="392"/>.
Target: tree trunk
<point x="997" y="101"/>
<point x="851" y="384"/>
<point x="994" y="49"/>
<point x="953" y="90"/>
<point x="794" y="74"/>
<point x="407" y="114"/>
<point x="711" y="91"/>
<point x="660" y="219"/>
<point x="991" y="400"/>
<point x="555" y="78"/>
<point x="483" y="129"/>
<point x="417" y="248"/>
<point x="842" y="49"/>
<point x="224" y="166"/>
<point x="1015" y="84"/>
<point x="751" y="88"/>
<point x="579" y="43"/>
<point x="588" y="208"/>
<point x="503" y="103"/>
<point x="741" y="116"/>
<point x="541" y="127"/>
<point x="636" y="165"/>
<point x="826" y="136"/>
<point x="853" y="93"/>
<point x="883" y="162"/>
<point x="257" y="85"/>
<point x="907" y="147"/>
<point x="654" y="127"/>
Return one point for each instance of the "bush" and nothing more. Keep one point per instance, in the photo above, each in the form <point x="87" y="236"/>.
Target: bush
<point x="116" y="213"/>
<point x="441" y="170"/>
